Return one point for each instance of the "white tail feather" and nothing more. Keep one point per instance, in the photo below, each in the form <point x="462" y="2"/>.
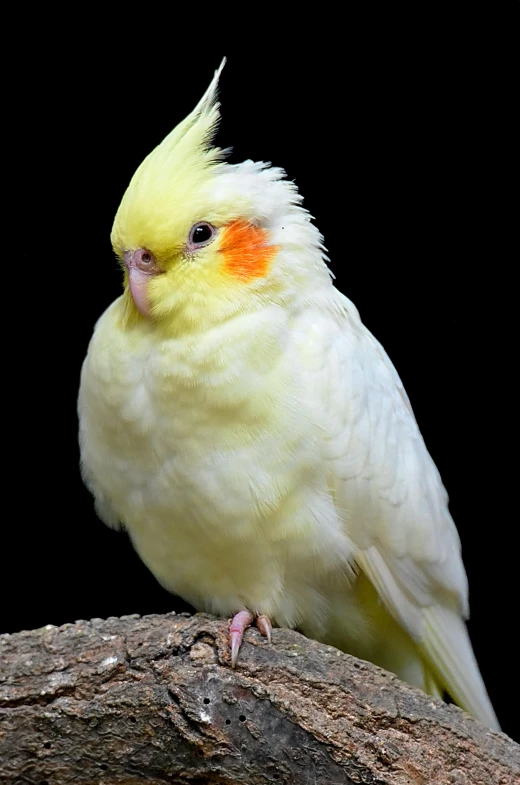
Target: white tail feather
<point x="449" y="651"/>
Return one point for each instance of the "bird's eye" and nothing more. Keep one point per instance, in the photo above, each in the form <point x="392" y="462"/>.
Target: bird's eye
<point x="200" y="234"/>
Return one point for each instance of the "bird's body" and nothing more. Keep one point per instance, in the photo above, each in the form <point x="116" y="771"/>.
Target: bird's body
<point x="254" y="438"/>
<point x="226" y="486"/>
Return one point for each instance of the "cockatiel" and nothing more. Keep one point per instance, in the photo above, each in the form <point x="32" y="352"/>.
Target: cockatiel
<point x="253" y="437"/>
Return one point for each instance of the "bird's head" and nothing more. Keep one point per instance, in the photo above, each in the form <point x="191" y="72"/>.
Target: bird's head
<point x="201" y="239"/>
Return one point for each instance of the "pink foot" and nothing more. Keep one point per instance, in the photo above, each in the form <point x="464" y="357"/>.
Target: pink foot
<point x="239" y="624"/>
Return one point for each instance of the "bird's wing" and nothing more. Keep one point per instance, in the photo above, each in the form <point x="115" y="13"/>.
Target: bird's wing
<point x="391" y="497"/>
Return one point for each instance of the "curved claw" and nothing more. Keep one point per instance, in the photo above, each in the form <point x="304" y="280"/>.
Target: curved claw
<point x="237" y="626"/>
<point x="264" y="625"/>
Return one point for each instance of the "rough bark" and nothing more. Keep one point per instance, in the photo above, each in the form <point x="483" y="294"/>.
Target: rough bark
<point x="153" y="700"/>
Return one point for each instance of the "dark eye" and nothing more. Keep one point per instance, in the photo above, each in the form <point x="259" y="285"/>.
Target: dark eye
<point x="201" y="234"/>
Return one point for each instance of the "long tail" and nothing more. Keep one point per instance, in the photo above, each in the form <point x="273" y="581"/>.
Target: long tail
<point x="448" y="650"/>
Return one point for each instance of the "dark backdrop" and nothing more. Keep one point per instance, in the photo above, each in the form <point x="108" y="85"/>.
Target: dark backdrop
<point x="405" y="149"/>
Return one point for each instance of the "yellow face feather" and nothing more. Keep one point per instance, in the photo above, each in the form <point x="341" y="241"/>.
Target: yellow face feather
<point x="171" y="192"/>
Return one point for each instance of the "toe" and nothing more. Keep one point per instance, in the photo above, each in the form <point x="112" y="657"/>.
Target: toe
<point x="265" y="627"/>
<point x="239" y="623"/>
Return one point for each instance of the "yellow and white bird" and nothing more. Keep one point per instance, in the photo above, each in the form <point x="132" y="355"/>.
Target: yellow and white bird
<point x="253" y="437"/>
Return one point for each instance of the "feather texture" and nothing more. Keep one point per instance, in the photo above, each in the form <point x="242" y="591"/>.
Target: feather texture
<point x="253" y="437"/>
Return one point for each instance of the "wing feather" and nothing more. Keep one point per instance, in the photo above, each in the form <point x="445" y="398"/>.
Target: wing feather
<point x="394" y="504"/>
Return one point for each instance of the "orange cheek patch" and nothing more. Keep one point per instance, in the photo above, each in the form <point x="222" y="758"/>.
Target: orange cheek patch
<point x="247" y="254"/>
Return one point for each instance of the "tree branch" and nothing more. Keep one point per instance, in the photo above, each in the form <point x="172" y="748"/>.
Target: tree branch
<point x="153" y="700"/>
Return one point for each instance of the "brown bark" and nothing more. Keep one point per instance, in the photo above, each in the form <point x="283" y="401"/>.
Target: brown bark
<point x="153" y="700"/>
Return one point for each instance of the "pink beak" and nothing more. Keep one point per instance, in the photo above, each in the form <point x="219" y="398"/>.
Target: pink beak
<point x="141" y="266"/>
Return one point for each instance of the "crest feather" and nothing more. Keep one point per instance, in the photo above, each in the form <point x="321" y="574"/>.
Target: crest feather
<point x="180" y="160"/>
<point x="199" y="127"/>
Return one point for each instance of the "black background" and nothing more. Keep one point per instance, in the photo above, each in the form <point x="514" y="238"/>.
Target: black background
<point x="402" y="136"/>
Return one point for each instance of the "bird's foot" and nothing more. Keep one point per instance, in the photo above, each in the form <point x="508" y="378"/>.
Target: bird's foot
<point x="239" y="624"/>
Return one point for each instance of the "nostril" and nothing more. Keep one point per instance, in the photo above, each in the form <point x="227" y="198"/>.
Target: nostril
<point x="140" y="259"/>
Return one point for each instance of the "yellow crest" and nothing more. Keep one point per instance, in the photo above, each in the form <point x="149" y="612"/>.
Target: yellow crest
<point x="169" y="180"/>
